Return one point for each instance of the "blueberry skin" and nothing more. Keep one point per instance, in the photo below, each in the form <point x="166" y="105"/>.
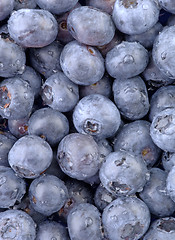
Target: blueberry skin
<point x="6" y="8"/>
<point x="162" y="130"/>
<point x="161" y="229"/>
<point x="12" y="58"/>
<point x="59" y="93"/>
<point x="171" y="20"/>
<point x="84" y="222"/>
<point x="135" y="17"/>
<point x="78" y="156"/>
<point x="168" y="160"/>
<point x="162" y="99"/>
<point x="155" y="195"/>
<point x="147" y="38"/>
<point x="154" y="77"/>
<point x="126" y="218"/>
<point x="126" y="60"/>
<point x="6" y="142"/>
<point x="12" y="187"/>
<point x="96" y="115"/>
<point x="56" y="6"/>
<point x="51" y="230"/>
<point x="131" y="97"/>
<point x="49" y="124"/>
<point x="163" y="52"/>
<point x="123" y="174"/>
<point x="91" y="26"/>
<point x="170" y="181"/>
<point x="34" y="158"/>
<point x="18" y="128"/>
<point x="46" y="60"/>
<point x="135" y="138"/>
<point x="79" y="192"/>
<point x="16" y="98"/>
<point x="47" y="194"/>
<point x="102" y="197"/>
<point x="32" y="32"/>
<point x="83" y="65"/>
<point x="33" y="78"/>
<point x="103" y="87"/>
<point x="104" y="5"/>
<point x="19" y="4"/>
<point x="17" y="225"/>
<point x="167" y="5"/>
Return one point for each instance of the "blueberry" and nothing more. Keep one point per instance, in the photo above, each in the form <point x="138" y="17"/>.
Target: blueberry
<point x="168" y="5"/>
<point x="33" y="160"/>
<point x="56" y="6"/>
<point x="51" y="230"/>
<point x="47" y="194"/>
<point x="163" y="228"/>
<point x="104" y="5"/>
<point x="12" y="58"/>
<point x="6" y="142"/>
<point x="123" y="174"/>
<point x="91" y="26"/>
<point x="82" y="64"/>
<point x="147" y="38"/>
<point x="15" y="104"/>
<point x="155" y="195"/>
<point x="135" y="138"/>
<point x="78" y="156"/>
<point x="126" y="218"/>
<point x="32" y="27"/>
<point x="103" y="87"/>
<point x="6" y="8"/>
<point x="154" y="77"/>
<point x="126" y="60"/>
<point x="49" y="124"/>
<point x="131" y="97"/>
<point x="84" y="222"/>
<point x="16" y="225"/>
<point x="59" y="93"/>
<point x="168" y="160"/>
<point x="33" y="78"/>
<point x="135" y="17"/>
<point x="162" y="129"/>
<point x="12" y="187"/>
<point x="96" y="115"/>
<point x="19" y="4"/>
<point x="162" y="99"/>
<point x="102" y="197"/>
<point x="46" y="60"/>
<point x="170" y="181"/>
<point x="18" y="128"/>
<point x="163" y="54"/>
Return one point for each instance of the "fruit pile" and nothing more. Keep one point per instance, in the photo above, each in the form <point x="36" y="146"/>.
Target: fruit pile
<point x="87" y="119"/>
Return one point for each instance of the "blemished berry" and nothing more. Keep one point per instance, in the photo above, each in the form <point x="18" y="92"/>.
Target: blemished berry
<point x="97" y="116"/>
<point x="16" y="98"/>
<point x="162" y="228"/>
<point x="33" y="160"/>
<point x="18" y="128"/>
<point x="91" y="26"/>
<point x="82" y="64"/>
<point x="26" y="27"/>
<point x="126" y="218"/>
<point x="16" y="225"/>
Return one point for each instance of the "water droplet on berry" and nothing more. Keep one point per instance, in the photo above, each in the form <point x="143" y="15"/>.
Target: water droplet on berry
<point x="88" y="221"/>
<point x="163" y="55"/>
<point x="145" y="6"/>
<point x="128" y="59"/>
<point x="3" y="180"/>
